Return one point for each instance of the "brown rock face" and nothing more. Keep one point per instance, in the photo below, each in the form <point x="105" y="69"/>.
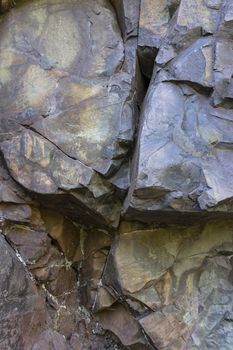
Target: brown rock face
<point x="20" y="302"/>
<point x="181" y="276"/>
<point x="116" y="227"/>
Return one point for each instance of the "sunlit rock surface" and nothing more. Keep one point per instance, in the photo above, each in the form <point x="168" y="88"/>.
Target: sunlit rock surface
<point x="67" y="77"/>
<point x="180" y="282"/>
<point x="116" y="190"/>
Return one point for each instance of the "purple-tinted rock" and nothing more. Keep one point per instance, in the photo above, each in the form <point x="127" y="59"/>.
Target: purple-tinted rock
<point x="183" y="154"/>
<point x="20" y="301"/>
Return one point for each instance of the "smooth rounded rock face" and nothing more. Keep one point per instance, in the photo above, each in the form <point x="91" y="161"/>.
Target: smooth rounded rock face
<point x="62" y="76"/>
<point x="48" y="75"/>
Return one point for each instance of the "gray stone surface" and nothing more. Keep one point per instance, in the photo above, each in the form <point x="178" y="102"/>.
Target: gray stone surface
<point x="183" y="157"/>
<point x="116" y="228"/>
<point x="183" y="153"/>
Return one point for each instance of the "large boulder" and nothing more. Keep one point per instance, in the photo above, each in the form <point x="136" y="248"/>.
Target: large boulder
<point x="182" y="161"/>
<point x="67" y="89"/>
<point x="184" y="156"/>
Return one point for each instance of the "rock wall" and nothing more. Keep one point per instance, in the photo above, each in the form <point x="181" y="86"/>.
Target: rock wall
<point x="116" y="174"/>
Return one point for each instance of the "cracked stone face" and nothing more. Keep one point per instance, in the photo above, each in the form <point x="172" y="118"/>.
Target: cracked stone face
<point x="20" y="301"/>
<point x="66" y="94"/>
<point x="77" y="103"/>
<point x="116" y="175"/>
<point x="184" y="153"/>
<point x="182" y="276"/>
<point x="183" y="157"/>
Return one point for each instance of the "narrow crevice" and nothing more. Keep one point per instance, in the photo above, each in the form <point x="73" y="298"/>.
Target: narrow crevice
<point x="146" y="56"/>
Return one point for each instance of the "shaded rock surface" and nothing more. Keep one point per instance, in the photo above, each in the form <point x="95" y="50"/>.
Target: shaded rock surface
<point x="116" y="215"/>
<point x="39" y="286"/>
<point x="20" y="302"/>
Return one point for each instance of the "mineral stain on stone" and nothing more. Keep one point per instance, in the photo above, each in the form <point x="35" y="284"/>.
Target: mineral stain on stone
<point x="115" y="216"/>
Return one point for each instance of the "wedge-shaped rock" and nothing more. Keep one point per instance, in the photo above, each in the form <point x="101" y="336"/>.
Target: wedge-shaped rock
<point x="199" y="13"/>
<point x="190" y="21"/>
<point x="223" y="70"/>
<point x="13" y="199"/>
<point x="184" y="155"/>
<point x="195" y="64"/>
<point x="153" y="24"/>
<point x="119" y="321"/>
<point x="223" y="59"/>
<point x="226" y="19"/>
<point x="128" y="15"/>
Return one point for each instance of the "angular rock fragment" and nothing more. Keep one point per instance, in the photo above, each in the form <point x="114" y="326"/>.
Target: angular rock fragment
<point x="165" y="332"/>
<point x="119" y="321"/>
<point x="197" y="13"/>
<point x="191" y="20"/>
<point x="223" y="61"/>
<point x="13" y="200"/>
<point x="128" y="16"/>
<point x="195" y="64"/>
<point x="153" y="25"/>
<point x="31" y="245"/>
<point x="66" y="234"/>
<point x="90" y="258"/>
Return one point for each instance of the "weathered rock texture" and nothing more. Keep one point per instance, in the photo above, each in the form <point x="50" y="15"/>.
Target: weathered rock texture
<point x="116" y="212"/>
<point x="67" y="110"/>
<point x="183" y="154"/>
<point x="180" y="285"/>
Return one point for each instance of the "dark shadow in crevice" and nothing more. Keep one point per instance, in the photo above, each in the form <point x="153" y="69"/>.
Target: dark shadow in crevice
<point x="200" y="89"/>
<point x="146" y="57"/>
<point x="172" y="6"/>
<point x="226" y="102"/>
